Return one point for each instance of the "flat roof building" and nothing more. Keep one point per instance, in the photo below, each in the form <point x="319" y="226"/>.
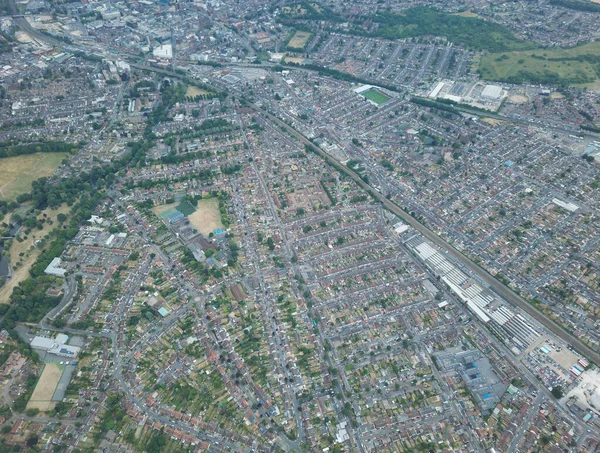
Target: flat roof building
<point x="55" y="269"/>
<point x="55" y="346"/>
<point x="491" y="92"/>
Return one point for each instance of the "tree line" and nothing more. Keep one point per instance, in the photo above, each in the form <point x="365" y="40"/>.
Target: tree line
<point x="11" y="148"/>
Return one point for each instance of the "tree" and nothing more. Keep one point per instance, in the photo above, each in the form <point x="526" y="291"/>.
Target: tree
<point x="61" y="217"/>
<point x="33" y="440"/>
<point x="59" y="323"/>
<point x="557" y="392"/>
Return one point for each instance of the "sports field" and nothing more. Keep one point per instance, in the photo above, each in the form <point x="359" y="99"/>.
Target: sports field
<point x="573" y="66"/>
<point x="207" y="217"/>
<point x="160" y="210"/>
<point x="17" y="173"/>
<point x="41" y="398"/>
<point x="376" y="96"/>
<point x="185" y="208"/>
<point x="299" y="40"/>
<point x="173" y="212"/>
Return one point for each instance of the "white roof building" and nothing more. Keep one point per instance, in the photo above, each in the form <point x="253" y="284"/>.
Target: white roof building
<point x="55" y="269"/>
<point x="43" y="343"/>
<point x="491" y="92"/>
<point x="55" y="346"/>
<point x="164" y="51"/>
<point x="96" y="220"/>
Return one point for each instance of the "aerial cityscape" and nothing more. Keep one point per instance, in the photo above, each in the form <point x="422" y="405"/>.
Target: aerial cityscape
<point x="300" y="226"/>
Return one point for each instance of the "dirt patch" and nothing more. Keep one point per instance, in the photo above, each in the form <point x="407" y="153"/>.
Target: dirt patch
<point x="467" y="13"/>
<point x="42" y="394"/>
<point x="299" y="40"/>
<point x="23" y="37"/>
<point x="158" y="210"/>
<point x="518" y="99"/>
<point x="297" y="60"/>
<point x="556" y="94"/>
<point x="207" y="217"/>
<point x="193" y="91"/>
<point x="585" y="390"/>
<point x="564" y="358"/>
<point x="492" y="121"/>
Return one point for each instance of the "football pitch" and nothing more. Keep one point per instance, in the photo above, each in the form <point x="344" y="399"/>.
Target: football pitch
<point x="376" y="96"/>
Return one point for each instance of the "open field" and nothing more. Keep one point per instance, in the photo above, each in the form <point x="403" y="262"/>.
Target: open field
<point x="492" y="121"/>
<point x="297" y="60"/>
<point x="467" y="13"/>
<point x="29" y="251"/>
<point x="376" y="96"/>
<point x="42" y="394"/>
<point x="18" y="172"/>
<point x="207" y="217"/>
<point x="158" y="210"/>
<point x="193" y="91"/>
<point x="594" y="86"/>
<point x="185" y="208"/>
<point x="543" y="65"/>
<point x="299" y="40"/>
<point x="518" y="99"/>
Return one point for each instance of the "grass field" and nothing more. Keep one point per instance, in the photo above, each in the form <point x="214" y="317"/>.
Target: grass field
<point x="17" y="173"/>
<point x="299" y="40"/>
<point x="41" y="397"/>
<point x="297" y="60"/>
<point x="193" y="91"/>
<point x="185" y="208"/>
<point x="207" y="217"/>
<point x="543" y="65"/>
<point x="29" y="252"/>
<point x="376" y="96"/>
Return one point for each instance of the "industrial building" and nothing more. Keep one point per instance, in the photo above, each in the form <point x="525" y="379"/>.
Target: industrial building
<point x="484" y="303"/>
<point x="55" y="346"/>
<point x="491" y="92"/>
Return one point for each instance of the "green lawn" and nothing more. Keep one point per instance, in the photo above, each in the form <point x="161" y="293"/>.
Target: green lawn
<point x="576" y="65"/>
<point x="376" y="96"/>
<point x="17" y="173"/>
<point x="186" y="208"/>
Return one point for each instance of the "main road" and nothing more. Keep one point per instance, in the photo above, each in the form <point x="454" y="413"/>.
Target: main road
<point x="501" y="289"/>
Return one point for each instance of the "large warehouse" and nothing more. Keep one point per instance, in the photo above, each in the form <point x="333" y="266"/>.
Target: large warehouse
<point x="55" y="346"/>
